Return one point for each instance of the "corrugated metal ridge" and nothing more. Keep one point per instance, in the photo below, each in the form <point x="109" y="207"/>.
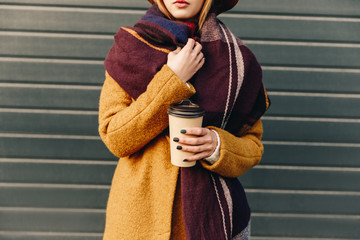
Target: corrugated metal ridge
<point x="50" y="86"/>
<point x="308" y="94"/>
<point x="292" y="238"/>
<point x="304" y="192"/>
<point x="48" y="136"/>
<point x="317" y="144"/>
<point x="58" y="161"/>
<point x="309" y="119"/>
<point x="60" y="234"/>
<point x="57" y="34"/>
<point x="36" y="209"/>
<point x="309" y="69"/>
<point x="54" y="185"/>
<point x="308" y="168"/>
<point x="305" y="215"/>
<point x="302" y="43"/>
<point x="50" y="60"/>
<point x="48" y="111"/>
<point x="290" y="17"/>
<point x="71" y="9"/>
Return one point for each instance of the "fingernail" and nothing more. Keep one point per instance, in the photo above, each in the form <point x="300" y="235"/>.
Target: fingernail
<point x="179" y="147"/>
<point x="185" y="160"/>
<point x="176" y="139"/>
<point x="183" y="131"/>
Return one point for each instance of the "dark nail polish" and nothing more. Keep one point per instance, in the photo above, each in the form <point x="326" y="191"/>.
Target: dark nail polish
<point x="183" y="131"/>
<point x="176" y="139"/>
<point x="185" y="160"/>
<point x="179" y="147"/>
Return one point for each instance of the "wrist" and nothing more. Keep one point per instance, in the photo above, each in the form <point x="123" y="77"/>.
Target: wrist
<point x="214" y="157"/>
<point x="177" y="72"/>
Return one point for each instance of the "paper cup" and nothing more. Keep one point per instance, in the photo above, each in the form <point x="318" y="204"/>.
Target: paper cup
<point x="184" y="114"/>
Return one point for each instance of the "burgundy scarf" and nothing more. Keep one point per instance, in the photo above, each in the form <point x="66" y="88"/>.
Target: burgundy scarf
<point x="228" y="87"/>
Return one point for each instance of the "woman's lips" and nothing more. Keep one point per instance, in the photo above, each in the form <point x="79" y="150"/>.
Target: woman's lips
<point x="181" y="4"/>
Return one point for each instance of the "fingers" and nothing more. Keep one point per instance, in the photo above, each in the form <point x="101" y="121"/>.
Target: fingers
<point x="186" y="62"/>
<point x="198" y="156"/>
<point x="196" y="141"/>
<point x="176" y="51"/>
<point x="190" y="44"/>
<point x="196" y="131"/>
<point x="201" y="63"/>
<point x="200" y="151"/>
<point x="199" y="59"/>
<point x="202" y="144"/>
<point x="198" y="47"/>
<point x="197" y="52"/>
<point x="193" y="47"/>
<point x="196" y="148"/>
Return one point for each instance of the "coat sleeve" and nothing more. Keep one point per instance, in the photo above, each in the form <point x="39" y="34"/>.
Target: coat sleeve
<point x="126" y="125"/>
<point x="237" y="153"/>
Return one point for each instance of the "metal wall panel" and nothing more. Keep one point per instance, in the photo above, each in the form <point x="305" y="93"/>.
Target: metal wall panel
<point x="55" y="173"/>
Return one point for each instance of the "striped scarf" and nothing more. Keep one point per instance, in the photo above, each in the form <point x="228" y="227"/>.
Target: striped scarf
<point x="228" y="87"/>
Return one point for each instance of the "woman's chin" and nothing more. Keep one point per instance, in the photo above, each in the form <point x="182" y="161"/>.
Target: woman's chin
<point x="182" y="14"/>
<point x="183" y="17"/>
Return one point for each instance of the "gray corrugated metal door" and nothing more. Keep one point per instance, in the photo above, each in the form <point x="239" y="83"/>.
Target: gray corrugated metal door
<point x="55" y="172"/>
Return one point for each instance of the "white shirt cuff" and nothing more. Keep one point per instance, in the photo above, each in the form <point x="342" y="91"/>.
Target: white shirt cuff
<point x="216" y="154"/>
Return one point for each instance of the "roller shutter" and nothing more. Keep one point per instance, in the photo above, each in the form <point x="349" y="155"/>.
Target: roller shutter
<point x="55" y="172"/>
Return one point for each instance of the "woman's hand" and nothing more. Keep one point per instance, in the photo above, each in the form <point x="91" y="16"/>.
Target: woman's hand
<point x="187" y="61"/>
<point x="203" y="145"/>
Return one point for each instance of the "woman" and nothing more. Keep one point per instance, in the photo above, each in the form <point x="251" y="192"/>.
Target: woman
<point x="180" y="50"/>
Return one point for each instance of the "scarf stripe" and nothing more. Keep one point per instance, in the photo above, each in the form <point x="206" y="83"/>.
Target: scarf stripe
<point x="136" y="35"/>
<point x="220" y="205"/>
<point x="266" y="99"/>
<point x="239" y="61"/>
<point x="229" y="201"/>
<point x="223" y="124"/>
<point x="240" y="66"/>
<point x="179" y="30"/>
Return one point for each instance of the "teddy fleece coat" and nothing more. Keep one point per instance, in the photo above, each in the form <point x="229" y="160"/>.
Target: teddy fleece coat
<point x="144" y="186"/>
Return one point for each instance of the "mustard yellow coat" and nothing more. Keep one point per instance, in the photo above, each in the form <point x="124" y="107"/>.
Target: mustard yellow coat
<point x="140" y="205"/>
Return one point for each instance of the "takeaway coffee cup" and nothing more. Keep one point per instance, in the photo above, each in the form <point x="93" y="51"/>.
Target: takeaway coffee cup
<point x="184" y="114"/>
